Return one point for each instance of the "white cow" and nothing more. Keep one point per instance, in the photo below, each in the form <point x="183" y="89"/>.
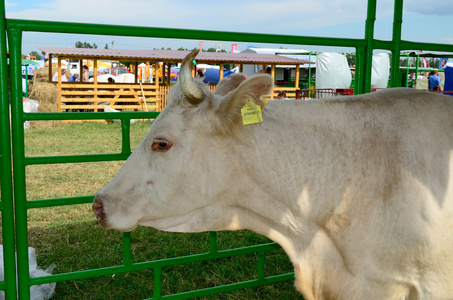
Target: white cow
<point x="357" y="190"/>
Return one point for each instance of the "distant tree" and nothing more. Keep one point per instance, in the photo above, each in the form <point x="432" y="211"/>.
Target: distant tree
<point x="211" y="50"/>
<point x="35" y="53"/>
<point x="182" y="49"/>
<point x="85" y="45"/>
<point x="106" y="46"/>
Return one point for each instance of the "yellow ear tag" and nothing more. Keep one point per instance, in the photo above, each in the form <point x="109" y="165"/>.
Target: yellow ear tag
<point x="251" y="113"/>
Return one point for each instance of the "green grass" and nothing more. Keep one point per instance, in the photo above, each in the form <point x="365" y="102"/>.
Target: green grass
<point x="70" y="237"/>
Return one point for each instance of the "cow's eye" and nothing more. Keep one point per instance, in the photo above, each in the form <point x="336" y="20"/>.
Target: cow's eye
<point x="161" y="145"/>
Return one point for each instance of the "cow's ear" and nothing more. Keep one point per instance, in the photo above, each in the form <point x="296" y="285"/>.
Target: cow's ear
<point x="228" y="84"/>
<point x="251" y="89"/>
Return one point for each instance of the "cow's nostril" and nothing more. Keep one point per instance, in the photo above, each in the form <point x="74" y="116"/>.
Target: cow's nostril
<point x="98" y="210"/>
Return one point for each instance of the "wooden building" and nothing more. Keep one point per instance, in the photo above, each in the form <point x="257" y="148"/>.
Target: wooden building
<point x="146" y="96"/>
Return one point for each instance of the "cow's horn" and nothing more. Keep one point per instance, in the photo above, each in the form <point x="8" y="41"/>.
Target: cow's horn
<point x="193" y="93"/>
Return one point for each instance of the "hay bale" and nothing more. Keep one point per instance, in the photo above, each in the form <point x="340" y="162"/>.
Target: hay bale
<point x="47" y="95"/>
<point x="41" y="75"/>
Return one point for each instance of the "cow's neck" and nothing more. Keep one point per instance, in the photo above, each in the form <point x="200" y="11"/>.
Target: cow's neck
<point x="280" y="185"/>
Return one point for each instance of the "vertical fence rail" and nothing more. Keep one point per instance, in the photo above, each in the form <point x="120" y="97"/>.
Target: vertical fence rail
<point x="8" y="285"/>
<point x="396" y="40"/>
<point x="366" y="67"/>
<point x="19" y="186"/>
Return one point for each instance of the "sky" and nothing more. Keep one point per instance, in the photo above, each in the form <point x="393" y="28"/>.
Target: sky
<point x="422" y="22"/>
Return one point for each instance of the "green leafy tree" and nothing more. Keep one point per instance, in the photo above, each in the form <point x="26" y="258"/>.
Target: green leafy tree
<point x="85" y="45"/>
<point x="35" y="53"/>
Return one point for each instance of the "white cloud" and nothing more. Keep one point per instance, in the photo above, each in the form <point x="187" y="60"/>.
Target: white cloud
<point x="438" y="7"/>
<point x="9" y="4"/>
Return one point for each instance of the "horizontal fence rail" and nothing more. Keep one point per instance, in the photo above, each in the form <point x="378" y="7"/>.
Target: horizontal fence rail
<point x="14" y="186"/>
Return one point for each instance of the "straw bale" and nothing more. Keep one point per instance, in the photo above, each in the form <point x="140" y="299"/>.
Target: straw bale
<point x="41" y="75"/>
<point x="46" y="93"/>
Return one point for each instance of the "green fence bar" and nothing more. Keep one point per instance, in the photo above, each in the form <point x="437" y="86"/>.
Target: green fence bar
<point x="8" y="285"/>
<point x="157" y="32"/>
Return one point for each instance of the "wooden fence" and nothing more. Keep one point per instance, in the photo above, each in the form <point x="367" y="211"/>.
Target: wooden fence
<point x="93" y="97"/>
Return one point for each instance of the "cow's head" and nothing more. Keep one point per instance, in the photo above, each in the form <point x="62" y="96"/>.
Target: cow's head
<point x="186" y="170"/>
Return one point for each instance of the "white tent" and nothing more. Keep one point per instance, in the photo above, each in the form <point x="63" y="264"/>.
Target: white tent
<point x="332" y="71"/>
<point x="381" y="70"/>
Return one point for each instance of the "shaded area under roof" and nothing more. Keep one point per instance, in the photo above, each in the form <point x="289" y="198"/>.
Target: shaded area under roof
<point x="427" y="54"/>
<point x="171" y="56"/>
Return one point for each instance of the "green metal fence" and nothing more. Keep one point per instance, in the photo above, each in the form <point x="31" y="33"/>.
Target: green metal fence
<point x="13" y="176"/>
<point x="6" y="183"/>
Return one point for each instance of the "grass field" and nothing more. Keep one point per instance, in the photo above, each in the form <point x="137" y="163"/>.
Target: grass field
<point x="70" y="237"/>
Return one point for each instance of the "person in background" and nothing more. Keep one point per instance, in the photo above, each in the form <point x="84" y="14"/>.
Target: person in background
<point x="434" y="81"/>
<point x="85" y="73"/>
<point x="281" y="95"/>
<point x="74" y="77"/>
<point x="63" y="76"/>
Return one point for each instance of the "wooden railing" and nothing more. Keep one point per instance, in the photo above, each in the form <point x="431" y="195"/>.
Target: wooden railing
<point x="124" y="96"/>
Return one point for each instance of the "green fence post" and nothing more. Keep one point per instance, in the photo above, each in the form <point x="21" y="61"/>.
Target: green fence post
<point x="417" y="63"/>
<point x="126" y="133"/>
<point x="157" y="288"/>
<point x="309" y="71"/>
<point x="6" y="181"/>
<point x="359" y="70"/>
<point x="369" y="37"/>
<point x="15" y="58"/>
<point x="396" y="42"/>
